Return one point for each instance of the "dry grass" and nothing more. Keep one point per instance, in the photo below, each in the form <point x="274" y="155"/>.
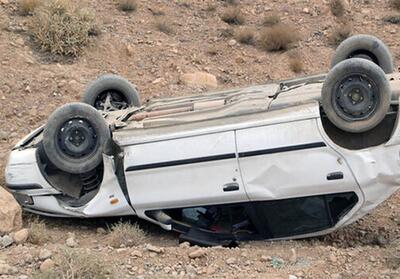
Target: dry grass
<point x="245" y="36"/>
<point x="278" y="37"/>
<point x="295" y="62"/>
<point x="340" y="33"/>
<point x="395" y="4"/>
<point x="165" y="26"/>
<point x="337" y="8"/>
<point x="27" y="7"/>
<point x="211" y="7"/>
<point x="233" y="15"/>
<point x="61" y="28"/>
<point x="271" y="19"/>
<point x="127" y="5"/>
<point x="76" y="264"/>
<point x="126" y="234"/>
<point x="38" y="233"/>
<point x="227" y="33"/>
<point x="394" y="19"/>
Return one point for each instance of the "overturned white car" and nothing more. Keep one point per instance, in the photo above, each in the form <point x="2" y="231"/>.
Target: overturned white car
<point x="290" y="159"/>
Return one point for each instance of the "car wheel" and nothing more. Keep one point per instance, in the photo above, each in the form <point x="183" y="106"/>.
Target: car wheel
<point x="74" y="137"/>
<point x="111" y="92"/>
<point x="356" y="95"/>
<point x="365" y="47"/>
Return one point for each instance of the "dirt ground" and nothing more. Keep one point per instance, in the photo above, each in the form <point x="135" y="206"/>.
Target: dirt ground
<point x="32" y="85"/>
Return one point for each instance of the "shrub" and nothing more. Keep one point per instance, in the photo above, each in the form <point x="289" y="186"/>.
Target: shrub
<point x="61" y="28"/>
<point x="295" y="63"/>
<point x="395" y="4"/>
<point x="38" y="233"/>
<point x="278" y="37"/>
<point x="394" y="19"/>
<point x="26" y="7"/>
<point x="74" y="264"/>
<point x="271" y="19"/>
<point x="233" y="15"/>
<point x="340" y="33"/>
<point x="126" y="234"/>
<point x="245" y="36"/>
<point x="164" y="26"/>
<point x="337" y="7"/>
<point x="127" y="5"/>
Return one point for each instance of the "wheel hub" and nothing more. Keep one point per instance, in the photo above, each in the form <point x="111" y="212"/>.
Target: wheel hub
<point x="356" y="97"/>
<point x="77" y="138"/>
<point x="111" y="101"/>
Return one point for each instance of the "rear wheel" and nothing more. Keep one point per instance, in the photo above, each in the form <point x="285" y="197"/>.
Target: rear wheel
<point x="364" y="47"/>
<point x="111" y="92"/>
<point x="74" y="137"/>
<point x="356" y="95"/>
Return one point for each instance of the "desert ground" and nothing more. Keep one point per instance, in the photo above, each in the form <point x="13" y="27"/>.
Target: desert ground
<point x="152" y="46"/>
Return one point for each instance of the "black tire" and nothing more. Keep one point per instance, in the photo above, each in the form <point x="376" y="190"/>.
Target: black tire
<point x="366" y="47"/>
<point x="356" y="95"/>
<point x="121" y="93"/>
<point x="74" y="137"/>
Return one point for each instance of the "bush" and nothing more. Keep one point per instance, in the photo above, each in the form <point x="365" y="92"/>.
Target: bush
<point x="164" y="26"/>
<point x="340" y="33"/>
<point x="395" y="4"/>
<point x="26" y="7"/>
<point x="74" y="264"/>
<point x="245" y="36"/>
<point x="233" y="16"/>
<point x="126" y="234"/>
<point x="38" y="233"/>
<point x="127" y="5"/>
<point x="61" y="28"/>
<point x="278" y="37"/>
<point x="337" y="7"/>
<point x="295" y="63"/>
<point x="271" y="19"/>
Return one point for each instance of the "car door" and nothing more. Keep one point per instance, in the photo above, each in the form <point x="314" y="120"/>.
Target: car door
<point x="183" y="172"/>
<point x="288" y="160"/>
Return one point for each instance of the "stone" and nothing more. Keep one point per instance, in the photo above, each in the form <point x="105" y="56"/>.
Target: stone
<point x="47" y="265"/>
<point x="44" y="254"/>
<point x="265" y="258"/>
<point x="306" y="10"/>
<point x="293" y="256"/>
<point x="232" y="42"/>
<point x="136" y="254"/>
<point x="184" y="244"/>
<point x="231" y="261"/>
<point x="201" y="79"/>
<point x="10" y="213"/>
<point x="6" y="269"/>
<point x="21" y="236"/>
<point x="158" y="80"/>
<point x="71" y="242"/>
<point x="6" y="241"/>
<point x="101" y="231"/>
<point x="130" y="51"/>
<point x="3" y="135"/>
<point x="154" y="249"/>
<point x="198" y="253"/>
<point x="332" y="258"/>
<point x="292" y="277"/>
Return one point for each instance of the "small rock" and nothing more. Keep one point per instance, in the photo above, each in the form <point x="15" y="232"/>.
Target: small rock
<point x="44" y="254"/>
<point x="210" y="270"/>
<point x="47" y="265"/>
<point x="231" y="261"/>
<point x="306" y="10"/>
<point x="3" y="135"/>
<point x="332" y="258"/>
<point x="20" y="41"/>
<point x="292" y="277"/>
<point x="130" y="51"/>
<point x="154" y="249"/>
<point x="158" y="80"/>
<point x="6" y="241"/>
<point x="232" y="42"/>
<point x="101" y="231"/>
<point x="71" y="242"/>
<point x="199" y="79"/>
<point x="293" y="256"/>
<point x="21" y="236"/>
<point x="6" y="269"/>
<point x="198" y="253"/>
<point x="10" y="213"/>
<point x="136" y="254"/>
<point x="265" y="258"/>
<point x="184" y="244"/>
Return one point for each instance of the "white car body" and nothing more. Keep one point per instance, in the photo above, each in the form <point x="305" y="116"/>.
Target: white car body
<point x="253" y="146"/>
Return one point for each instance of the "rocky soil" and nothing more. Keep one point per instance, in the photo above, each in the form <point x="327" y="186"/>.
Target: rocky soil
<point x="33" y="84"/>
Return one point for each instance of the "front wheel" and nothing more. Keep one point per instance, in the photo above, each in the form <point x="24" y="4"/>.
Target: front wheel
<point x="74" y="137"/>
<point x="356" y="95"/>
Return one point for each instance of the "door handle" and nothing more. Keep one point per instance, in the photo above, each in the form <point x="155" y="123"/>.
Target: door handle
<point x="229" y="187"/>
<point x="335" y="175"/>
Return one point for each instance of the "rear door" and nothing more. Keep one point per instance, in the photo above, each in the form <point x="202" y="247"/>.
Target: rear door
<point x="289" y="160"/>
<point x="183" y="172"/>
